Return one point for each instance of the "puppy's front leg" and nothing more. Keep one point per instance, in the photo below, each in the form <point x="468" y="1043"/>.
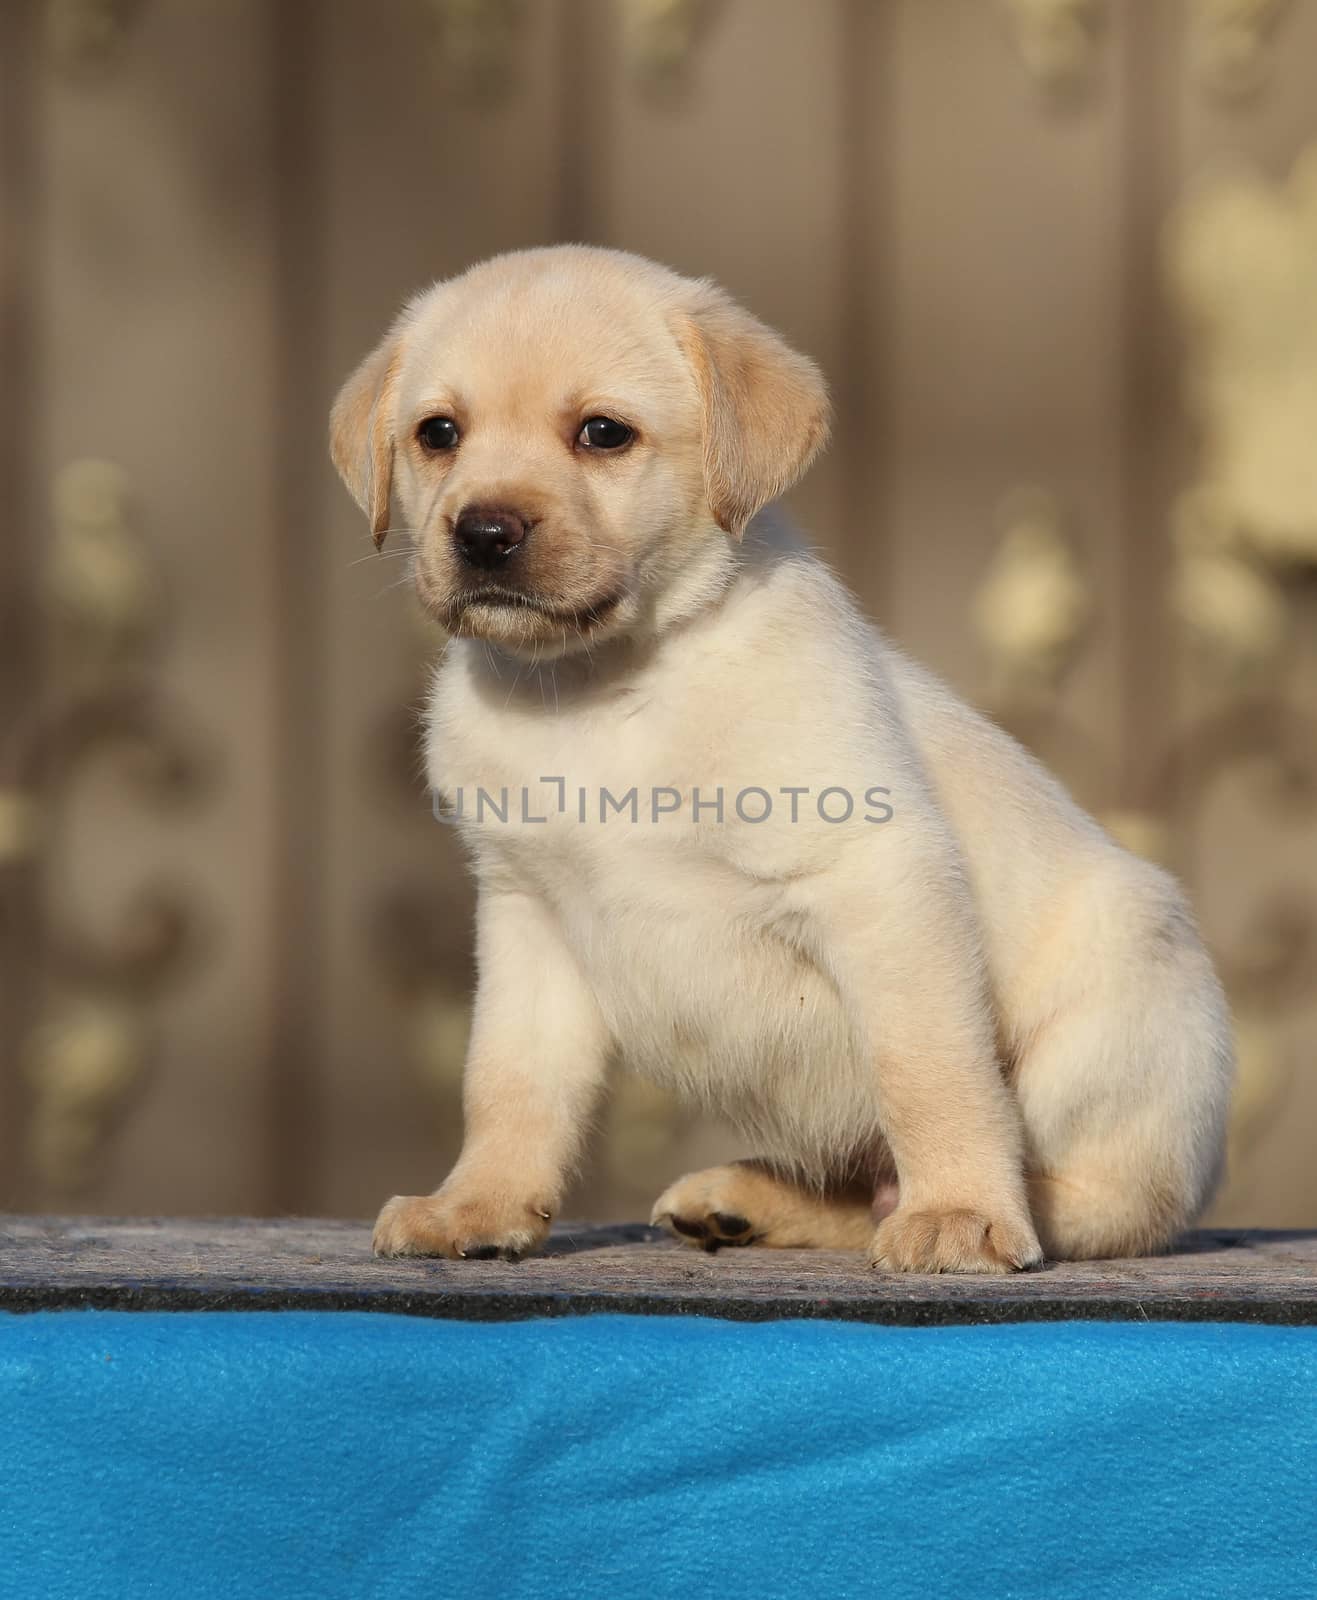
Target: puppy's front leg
<point x="910" y="962"/>
<point x="537" y="1059"/>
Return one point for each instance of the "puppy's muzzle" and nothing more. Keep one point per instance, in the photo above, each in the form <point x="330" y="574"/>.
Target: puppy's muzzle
<point x="485" y="537"/>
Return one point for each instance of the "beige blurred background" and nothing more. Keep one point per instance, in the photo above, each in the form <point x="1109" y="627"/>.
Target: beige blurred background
<point x="1059" y="260"/>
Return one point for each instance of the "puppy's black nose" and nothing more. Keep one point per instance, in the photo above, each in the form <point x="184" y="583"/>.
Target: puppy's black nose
<point x="486" y="538"/>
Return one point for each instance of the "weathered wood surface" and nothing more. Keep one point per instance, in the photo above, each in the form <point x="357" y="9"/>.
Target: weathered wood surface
<point x="241" y="1264"/>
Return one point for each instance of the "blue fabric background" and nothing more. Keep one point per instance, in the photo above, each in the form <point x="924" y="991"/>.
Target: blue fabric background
<point x="335" y="1454"/>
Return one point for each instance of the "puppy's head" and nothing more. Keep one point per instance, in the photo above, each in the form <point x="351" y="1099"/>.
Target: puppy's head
<point x="566" y="432"/>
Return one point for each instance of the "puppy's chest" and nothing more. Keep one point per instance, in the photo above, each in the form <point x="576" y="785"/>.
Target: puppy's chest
<point x="605" y="824"/>
<point x="637" y="808"/>
<point x="681" y="915"/>
<point x="558" y="793"/>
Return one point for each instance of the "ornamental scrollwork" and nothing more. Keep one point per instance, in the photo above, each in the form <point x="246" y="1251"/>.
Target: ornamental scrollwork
<point x="92" y="1045"/>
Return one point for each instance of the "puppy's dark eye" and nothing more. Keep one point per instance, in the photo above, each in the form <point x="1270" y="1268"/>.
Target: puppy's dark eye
<point x="604" y="433"/>
<point x="438" y="433"/>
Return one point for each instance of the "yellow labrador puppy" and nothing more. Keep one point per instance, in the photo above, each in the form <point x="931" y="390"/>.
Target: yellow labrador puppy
<point x="725" y="833"/>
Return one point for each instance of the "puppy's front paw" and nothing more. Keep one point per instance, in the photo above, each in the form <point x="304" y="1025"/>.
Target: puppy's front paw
<point x="463" y="1229"/>
<point x="953" y="1241"/>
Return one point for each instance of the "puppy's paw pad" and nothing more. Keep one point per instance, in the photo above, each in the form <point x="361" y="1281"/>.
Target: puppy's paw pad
<point x="730" y="1227"/>
<point x="711" y="1231"/>
<point x="953" y="1240"/>
<point x="688" y="1228"/>
<point x="705" y="1209"/>
<point x="462" y="1230"/>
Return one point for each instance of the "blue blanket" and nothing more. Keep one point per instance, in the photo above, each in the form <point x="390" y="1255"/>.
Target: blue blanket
<point x="326" y="1454"/>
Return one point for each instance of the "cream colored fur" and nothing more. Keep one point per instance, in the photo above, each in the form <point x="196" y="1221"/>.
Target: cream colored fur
<point x="956" y="1033"/>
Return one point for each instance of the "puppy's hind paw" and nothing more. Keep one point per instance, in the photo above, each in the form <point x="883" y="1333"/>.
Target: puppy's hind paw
<point x="708" y="1209"/>
<point x="710" y="1231"/>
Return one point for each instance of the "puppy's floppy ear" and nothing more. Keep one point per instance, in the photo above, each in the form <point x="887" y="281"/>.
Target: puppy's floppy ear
<point x="361" y="432"/>
<point x="766" y="409"/>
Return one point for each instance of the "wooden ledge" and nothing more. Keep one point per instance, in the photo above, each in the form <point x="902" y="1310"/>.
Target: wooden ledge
<point x="238" y="1264"/>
